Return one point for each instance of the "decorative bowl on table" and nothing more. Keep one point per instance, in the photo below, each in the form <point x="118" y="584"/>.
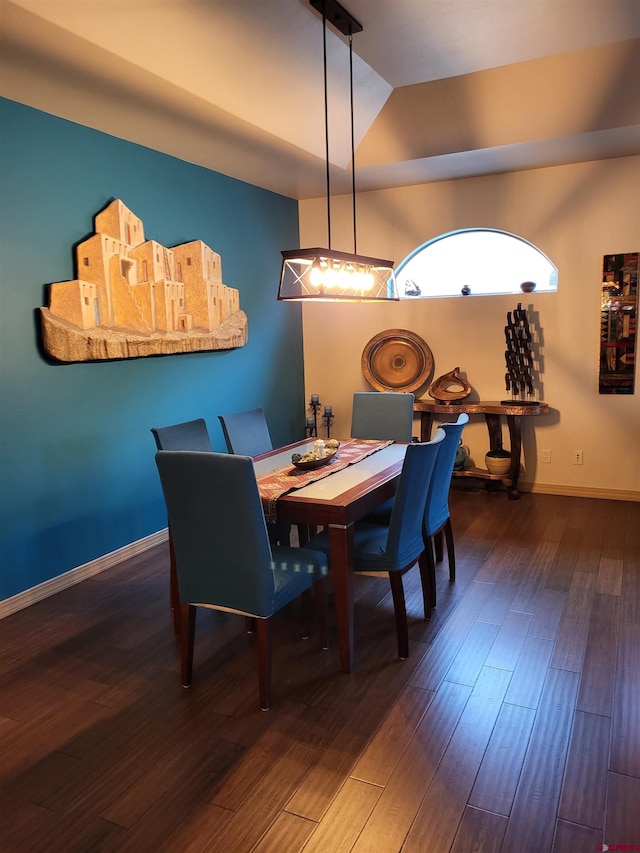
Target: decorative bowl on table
<point x="311" y="460"/>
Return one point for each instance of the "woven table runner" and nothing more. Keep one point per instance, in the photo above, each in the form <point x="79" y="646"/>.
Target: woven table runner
<point x="278" y="482"/>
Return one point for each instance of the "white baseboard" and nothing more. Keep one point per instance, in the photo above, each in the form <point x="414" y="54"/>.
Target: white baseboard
<point x="80" y="573"/>
<point x="580" y="492"/>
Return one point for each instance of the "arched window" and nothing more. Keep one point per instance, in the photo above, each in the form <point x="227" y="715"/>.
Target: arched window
<point x="474" y="261"/>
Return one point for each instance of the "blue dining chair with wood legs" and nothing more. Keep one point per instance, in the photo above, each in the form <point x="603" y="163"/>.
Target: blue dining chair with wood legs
<point x="247" y="434"/>
<point x="189" y="435"/>
<point x="437" y="517"/>
<point x="394" y="549"/>
<point x="224" y="559"/>
<point x="382" y="415"/>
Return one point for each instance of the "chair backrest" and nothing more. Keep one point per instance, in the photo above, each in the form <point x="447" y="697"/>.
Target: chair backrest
<point x="437" y="506"/>
<point x="404" y="540"/>
<point x="382" y="415"/>
<point x="190" y="435"/>
<point x="222" y="550"/>
<point x="246" y="433"/>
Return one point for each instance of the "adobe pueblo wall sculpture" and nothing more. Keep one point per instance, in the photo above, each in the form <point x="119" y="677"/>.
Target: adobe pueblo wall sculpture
<point x="134" y="297"/>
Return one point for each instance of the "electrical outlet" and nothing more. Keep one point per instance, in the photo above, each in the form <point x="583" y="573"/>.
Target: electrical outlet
<point x="577" y="457"/>
<point x="545" y="456"/>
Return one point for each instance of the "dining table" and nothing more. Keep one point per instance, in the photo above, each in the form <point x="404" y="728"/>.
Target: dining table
<point x="343" y="495"/>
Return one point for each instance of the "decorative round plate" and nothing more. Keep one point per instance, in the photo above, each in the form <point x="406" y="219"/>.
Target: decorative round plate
<point x="397" y="360"/>
<point x="313" y="463"/>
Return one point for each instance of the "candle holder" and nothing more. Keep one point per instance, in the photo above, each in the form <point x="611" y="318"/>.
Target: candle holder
<point x="327" y="417"/>
<point x="312" y="423"/>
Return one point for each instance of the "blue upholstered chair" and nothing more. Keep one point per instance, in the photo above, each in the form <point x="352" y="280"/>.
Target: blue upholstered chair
<point x="190" y="435"/>
<point x="247" y="434"/>
<point x="437" y="517"/>
<point x="382" y="415"/>
<point x="392" y="550"/>
<point x="224" y="559"/>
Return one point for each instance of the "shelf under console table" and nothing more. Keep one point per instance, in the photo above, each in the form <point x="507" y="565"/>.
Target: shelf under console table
<point x="492" y="411"/>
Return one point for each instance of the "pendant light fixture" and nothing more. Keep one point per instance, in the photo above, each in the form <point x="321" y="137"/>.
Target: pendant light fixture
<point x="327" y="275"/>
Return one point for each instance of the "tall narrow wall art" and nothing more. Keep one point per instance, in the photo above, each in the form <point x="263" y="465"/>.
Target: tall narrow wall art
<point x="618" y="323"/>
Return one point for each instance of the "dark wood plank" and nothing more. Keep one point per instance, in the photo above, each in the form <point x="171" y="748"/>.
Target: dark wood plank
<point x="574" y="627"/>
<point x="506" y="648"/>
<point x="622" y="821"/>
<point x="395" y="811"/>
<point x="584" y="787"/>
<point x="599" y="664"/>
<point x="288" y="832"/>
<point x="468" y="662"/>
<point x="530" y="672"/>
<point x="381" y="756"/>
<point x="625" y="728"/>
<point x="196" y="830"/>
<point x="269" y="797"/>
<point x="437" y="819"/>
<point x="315" y="793"/>
<point x="569" y="836"/>
<point x="344" y="818"/>
<point x="548" y="609"/>
<point x="497" y="779"/>
<point x="440" y="655"/>
<point x="479" y="832"/>
<point x="565" y="561"/>
<point x="535" y="806"/>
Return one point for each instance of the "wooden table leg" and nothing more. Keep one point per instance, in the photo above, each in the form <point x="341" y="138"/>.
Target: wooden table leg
<point x="515" y="437"/>
<point x="341" y="559"/>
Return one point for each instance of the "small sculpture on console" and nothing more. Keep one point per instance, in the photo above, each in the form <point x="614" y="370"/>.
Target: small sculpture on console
<point x="450" y="388"/>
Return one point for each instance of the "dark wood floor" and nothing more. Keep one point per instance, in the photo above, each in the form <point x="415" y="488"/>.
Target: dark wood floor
<point x="514" y="725"/>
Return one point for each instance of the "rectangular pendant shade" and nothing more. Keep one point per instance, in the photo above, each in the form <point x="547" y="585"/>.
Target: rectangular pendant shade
<point x="331" y="276"/>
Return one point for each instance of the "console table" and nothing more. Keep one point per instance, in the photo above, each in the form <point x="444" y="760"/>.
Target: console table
<point x="492" y="412"/>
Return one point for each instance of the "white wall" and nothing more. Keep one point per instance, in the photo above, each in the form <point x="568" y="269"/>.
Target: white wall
<point x="575" y="214"/>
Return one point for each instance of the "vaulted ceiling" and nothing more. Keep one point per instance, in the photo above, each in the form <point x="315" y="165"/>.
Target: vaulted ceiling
<point x="442" y="88"/>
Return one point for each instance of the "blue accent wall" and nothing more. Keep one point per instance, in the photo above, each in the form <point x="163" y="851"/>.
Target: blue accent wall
<point x="78" y="477"/>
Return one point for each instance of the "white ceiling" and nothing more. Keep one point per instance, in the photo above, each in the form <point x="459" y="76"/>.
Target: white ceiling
<point x="442" y="88"/>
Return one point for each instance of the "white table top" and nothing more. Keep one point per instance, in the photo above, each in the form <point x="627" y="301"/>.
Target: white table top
<point x="331" y="486"/>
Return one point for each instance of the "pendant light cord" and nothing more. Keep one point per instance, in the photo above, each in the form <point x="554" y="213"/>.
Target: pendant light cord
<point x="326" y="122"/>
<point x="353" y="156"/>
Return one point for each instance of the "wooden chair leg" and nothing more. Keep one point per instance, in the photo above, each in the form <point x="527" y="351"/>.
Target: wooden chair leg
<point x="250" y="624"/>
<point x="174" y="594"/>
<point x="320" y="601"/>
<point x="305" y="606"/>
<point x="187" y="637"/>
<point x="264" y="663"/>
<point x="451" y="551"/>
<point x="437" y="541"/>
<point x="428" y="578"/>
<point x="400" y="610"/>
